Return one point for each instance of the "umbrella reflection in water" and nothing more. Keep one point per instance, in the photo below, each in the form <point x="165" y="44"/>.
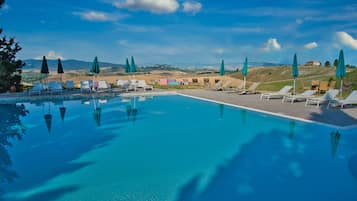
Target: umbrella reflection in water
<point x="292" y="126"/>
<point x="221" y="111"/>
<point x="335" y="139"/>
<point x="97" y="112"/>
<point x="131" y="109"/>
<point x="48" y="119"/>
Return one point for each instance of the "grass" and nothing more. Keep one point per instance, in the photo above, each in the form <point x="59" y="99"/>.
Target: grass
<point x="271" y="74"/>
<point x="273" y="79"/>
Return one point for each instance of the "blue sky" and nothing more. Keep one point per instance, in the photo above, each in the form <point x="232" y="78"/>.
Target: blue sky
<point x="187" y="33"/>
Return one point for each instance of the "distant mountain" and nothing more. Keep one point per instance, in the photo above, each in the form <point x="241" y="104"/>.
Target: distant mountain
<point x="70" y="64"/>
<point x="73" y="64"/>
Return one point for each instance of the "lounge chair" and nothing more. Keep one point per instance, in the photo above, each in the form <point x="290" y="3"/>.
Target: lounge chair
<point x="103" y="86"/>
<point x="185" y="82"/>
<point x="329" y="95"/>
<point x="303" y="96"/>
<point x="122" y="83"/>
<point x="142" y="84"/>
<point x="239" y="89"/>
<point x="223" y="86"/>
<point x="251" y="89"/>
<point x="280" y="94"/>
<point x="55" y="87"/>
<point x="323" y="87"/>
<point x="69" y="85"/>
<point x="315" y="84"/>
<point x="37" y="88"/>
<point x="85" y="86"/>
<point x="132" y="85"/>
<point x="351" y="99"/>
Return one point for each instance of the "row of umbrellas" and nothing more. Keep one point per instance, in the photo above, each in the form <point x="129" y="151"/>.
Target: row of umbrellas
<point x="95" y="69"/>
<point x="130" y="68"/>
<point x="340" y="70"/>
<point x="244" y="71"/>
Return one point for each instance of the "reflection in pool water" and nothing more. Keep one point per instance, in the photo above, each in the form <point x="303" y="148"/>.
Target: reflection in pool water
<point x="11" y="128"/>
<point x="177" y="149"/>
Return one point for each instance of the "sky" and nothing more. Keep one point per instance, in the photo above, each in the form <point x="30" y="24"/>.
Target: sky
<point x="183" y="33"/>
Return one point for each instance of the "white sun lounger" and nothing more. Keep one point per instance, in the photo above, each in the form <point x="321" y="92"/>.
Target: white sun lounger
<point x="133" y="84"/>
<point x="303" y="96"/>
<point x="222" y="85"/>
<point x="122" y="83"/>
<point x="251" y="89"/>
<point x="239" y="89"/>
<point x="103" y="86"/>
<point x="142" y="84"/>
<point x="55" y="87"/>
<point x="351" y="99"/>
<point x="329" y="95"/>
<point x="69" y="85"/>
<point x="280" y="94"/>
<point x="86" y="86"/>
<point x="37" y="88"/>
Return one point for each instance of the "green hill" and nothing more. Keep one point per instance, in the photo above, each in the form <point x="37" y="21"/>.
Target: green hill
<point x="274" y="78"/>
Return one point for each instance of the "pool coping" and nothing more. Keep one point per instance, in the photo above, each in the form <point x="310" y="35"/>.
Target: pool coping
<point x="272" y="113"/>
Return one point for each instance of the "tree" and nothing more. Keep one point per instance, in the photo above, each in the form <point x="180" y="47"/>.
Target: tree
<point x="10" y="67"/>
<point x="335" y="63"/>
<point x="327" y="64"/>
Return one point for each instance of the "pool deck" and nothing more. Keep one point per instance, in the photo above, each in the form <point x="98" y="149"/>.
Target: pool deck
<point x="346" y="117"/>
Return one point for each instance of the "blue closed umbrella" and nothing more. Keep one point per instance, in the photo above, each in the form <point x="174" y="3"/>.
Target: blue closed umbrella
<point x="341" y="69"/>
<point x="60" y="68"/>
<point x="44" y="67"/>
<point x="221" y="70"/>
<point x="295" y="72"/>
<point x="127" y="66"/>
<point x="95" y="66"/>
<point x="132" y="65"/>
<point x="245" y="71"/>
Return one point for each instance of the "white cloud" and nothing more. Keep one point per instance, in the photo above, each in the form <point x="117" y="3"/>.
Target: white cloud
<point x="271" y="45"/>
<point x="346" y="39"/>
<point x="51" y="55"/>
<point x="219" y="51"/>
<point x="123" y="42"/>
<point x="138" y="28"/>
<point x="97" y="16"/>
<point x="154" y="6"/>
<point x="192" y="7"/>
<point x="311" y="45"/>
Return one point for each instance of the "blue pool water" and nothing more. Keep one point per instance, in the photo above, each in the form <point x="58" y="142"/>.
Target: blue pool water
<point x="169" y="148"/>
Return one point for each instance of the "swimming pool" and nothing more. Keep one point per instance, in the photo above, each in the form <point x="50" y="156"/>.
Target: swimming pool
<point x="169" y="148"/>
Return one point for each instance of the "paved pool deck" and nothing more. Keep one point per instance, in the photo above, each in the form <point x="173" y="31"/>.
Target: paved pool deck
<point x="346" y="117"/>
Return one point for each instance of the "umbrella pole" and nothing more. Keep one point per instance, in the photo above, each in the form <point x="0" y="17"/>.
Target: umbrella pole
<point x="341" y="87"/>
<point x="244" y="83"/>
<point x="294" y="92"/>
